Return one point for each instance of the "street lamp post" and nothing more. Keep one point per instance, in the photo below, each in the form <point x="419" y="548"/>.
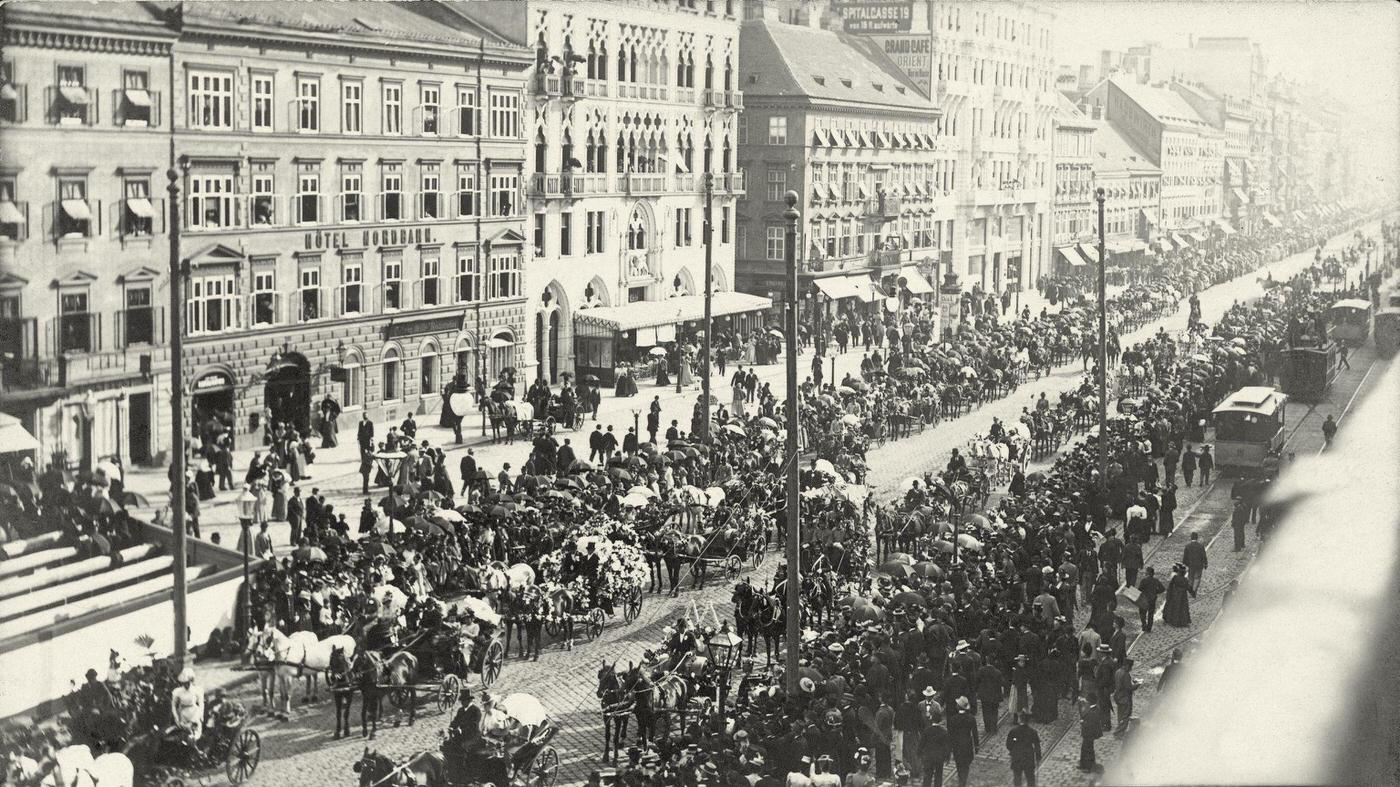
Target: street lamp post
<point x="705" y="348"/>
<point x="723" y="648"/>
<point x="177" y="424"/>
<point x="1103" y="350"/>
<point x="793" y="501"/>
<point x="247" y="505"/>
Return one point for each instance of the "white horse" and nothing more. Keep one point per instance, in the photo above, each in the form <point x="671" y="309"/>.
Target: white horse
<point x="300" y="654"/>
<point x="73" y="766"/>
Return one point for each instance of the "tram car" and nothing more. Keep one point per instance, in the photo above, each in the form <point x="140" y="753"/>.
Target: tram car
<point x="1249" y="428"/>
<point x="1309" y="371"/>
<point x="1388" y="331"/>
<point x="1349" y="321"/>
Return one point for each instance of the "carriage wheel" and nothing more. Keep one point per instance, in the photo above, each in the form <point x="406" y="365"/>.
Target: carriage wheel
<point x="448" y="692"/>
<point x="733" y="564"/>
<point x="594" y="623"/>
<point x="491" y="662"/>
<point x="243" y="757"/>
<point x="633" y="608"/>
<point x="758" y="555"/>
<point x="553" y="627"/>
<point x="545" y="767"/>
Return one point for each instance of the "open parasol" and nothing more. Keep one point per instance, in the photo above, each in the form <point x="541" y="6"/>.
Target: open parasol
<point x="14" y="437"/>
<point x="524" y="708"/>
<point x="480" y="610"/>
<point x="309" y="554"/>
<point x="900" y="557"/>
<point x="909" y="598"/>
<point x="896" y="568"/>
<point x="928" y="570"/>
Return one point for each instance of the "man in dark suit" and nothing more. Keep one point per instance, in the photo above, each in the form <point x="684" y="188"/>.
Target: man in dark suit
<point x="654" y="418"/>
<point x="314" y="510"/>
<point x="629" y="442"/>
<point x="673" y="433"/>
<point x="468" y="469"/>
<point x="296" y="512"/>
<point x="364" y="433"/>
<point x="991" y="689"/>
<point x="609" y="444"/>
<point x="1194" y="556"/>
<point x="565" y="456"/>
<point x="595" y="444"/>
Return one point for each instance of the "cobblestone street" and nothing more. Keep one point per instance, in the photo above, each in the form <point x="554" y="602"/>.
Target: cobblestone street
<point x="302" y="751"/>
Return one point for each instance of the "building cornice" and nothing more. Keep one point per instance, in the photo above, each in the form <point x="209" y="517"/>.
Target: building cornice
<point x="114" y="42"/>
<point x="809" y="104"/>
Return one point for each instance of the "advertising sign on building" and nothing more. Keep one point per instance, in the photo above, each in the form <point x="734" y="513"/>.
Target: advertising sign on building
<point x="913" y="55"/>
<point x="876" y="16"/>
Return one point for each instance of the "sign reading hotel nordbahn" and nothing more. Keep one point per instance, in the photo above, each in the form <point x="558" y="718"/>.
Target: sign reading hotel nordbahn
<point x="876" y="16"/>
<point x="386" y="236"/>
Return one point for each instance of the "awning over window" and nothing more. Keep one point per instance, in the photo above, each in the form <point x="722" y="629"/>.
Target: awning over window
<point x="140" y="206"/>
<point x="823" y="138"/>
<point x="1272" y="219"/>
<point x="833" y="191"/>
<point x="74" y="95"/>
<point x="1198" y="235"/>
<point x="137" y="97"/>
<point x="864" y="192"/>
<point x="495" y="342"/>
<point x="1240" y="195"/>
<point x="9" y="213"/>
<point x="8" y="92"/>
<point x="1150" y="216"/>
<point x="914" y="281"/>
<point x="1298" y="216"/>
<point x="1071" y="255"/>
<point x="649" y="314"/>
<point x="77" y="209"/>
<point x="1090" y="253"/>
<point x="884" y="138"/>
<point x="1125" y="246"/>
<point x="869" y="290"/>
<point x="1181" y="243"/>
<point x="1225" y="226"/>
<point x="839" y="287"/>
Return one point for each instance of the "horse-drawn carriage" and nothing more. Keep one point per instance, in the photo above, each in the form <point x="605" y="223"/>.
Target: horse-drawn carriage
<point x="504" y="745"/>
<point x="172" y="758"/>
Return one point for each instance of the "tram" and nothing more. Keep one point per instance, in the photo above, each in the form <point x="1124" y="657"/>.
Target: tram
<point x="1309" y="371"/>
<point x="1249" y="428"/>
<point x="1388" y="331"/>
<point x="1349" y="321"/>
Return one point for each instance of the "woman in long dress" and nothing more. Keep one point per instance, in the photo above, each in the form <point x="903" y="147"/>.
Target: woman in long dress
<point x="1177" y="611"/>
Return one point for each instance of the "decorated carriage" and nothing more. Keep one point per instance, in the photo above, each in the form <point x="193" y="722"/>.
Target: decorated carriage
<point x="172" y="758"/>
<point x="601" y="575"/>
<point x="517" y="732"/>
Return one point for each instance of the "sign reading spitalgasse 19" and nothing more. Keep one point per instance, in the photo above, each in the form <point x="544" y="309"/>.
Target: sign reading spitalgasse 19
<point x="876" y="16"/>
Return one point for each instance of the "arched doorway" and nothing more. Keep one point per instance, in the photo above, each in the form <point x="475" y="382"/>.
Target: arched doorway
<point x="287" y="390"/>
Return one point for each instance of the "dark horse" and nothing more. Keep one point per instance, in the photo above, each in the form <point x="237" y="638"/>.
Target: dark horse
<point x="758" y="613"/>
<point x="341" y="682"/>
<point x="376" y="676"/>
<point x="618" y="704"/>
<point x="378" y="770"/>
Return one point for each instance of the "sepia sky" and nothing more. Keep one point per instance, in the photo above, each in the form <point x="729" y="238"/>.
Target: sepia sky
<point x="1350" y="47"/>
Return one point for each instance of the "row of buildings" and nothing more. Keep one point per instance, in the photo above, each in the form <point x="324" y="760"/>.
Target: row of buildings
<point x="1210" y="142"/>
<point x="374" y="196"/>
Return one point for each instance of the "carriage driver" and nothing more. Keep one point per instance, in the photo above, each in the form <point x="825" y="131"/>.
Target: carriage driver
<point x="187" y="705"/>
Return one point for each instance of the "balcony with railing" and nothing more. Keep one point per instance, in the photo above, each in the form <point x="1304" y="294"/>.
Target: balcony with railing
<point x="547" y="84"/>
<point x="884" y="206"/>
<point x="885" y="259"/>
<point x="734" y="182"/>
<point x="556" y="185"/>
<point x="573" y="87"/>
<point x="639" y="183"/>
<point x="712" y="99"/>
<point x="734" y="99"/>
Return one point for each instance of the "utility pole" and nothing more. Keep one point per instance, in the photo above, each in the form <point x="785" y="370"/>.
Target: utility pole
<point x="793" y="632"/>
<point x="177" y="426"/>
<point x="705" y="346"/>
<point x="1103" y="350"/>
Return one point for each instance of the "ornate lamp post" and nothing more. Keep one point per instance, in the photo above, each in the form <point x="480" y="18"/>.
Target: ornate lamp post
<point x="723" y="647"/>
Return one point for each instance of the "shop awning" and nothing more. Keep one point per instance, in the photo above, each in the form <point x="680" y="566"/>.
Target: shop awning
<point x="1240" y="195"/>
<point x="73" y="95"/>
<point x="650" y="314"/>
<point x="140" y="206"/>
<point x="1091" y="253"/>
<point x="137" y="97"/>
<point x="1298" y="216"/>
<point x="1197" y="235"/>
<point x="9" y="214"/>
<point x="1150" y="215"/>
<point x="1272" y="219"/>
<point x="914" y="281"/>
<point x="869" y="290"/>
<point x="1180" y="242"/>
<point x="1125" y="246"/>
<point x="76" y="209"/>
<point x="1225" y="226"/>
<point x="1071" y="255"/>
<point x="839" y="287"/>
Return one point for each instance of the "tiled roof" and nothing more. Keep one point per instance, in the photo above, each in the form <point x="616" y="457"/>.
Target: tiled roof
<point x="1163" y="104"/>
<point x="1115" y="153"/>
<point x="95" y="13"/>
<point x="777" y="59"/>
<point x="365" y="20"/>
<point x="1067" y="114"/>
